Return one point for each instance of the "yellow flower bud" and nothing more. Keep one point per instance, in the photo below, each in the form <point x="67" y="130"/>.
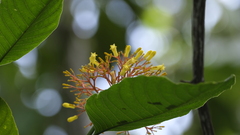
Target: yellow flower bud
<point x="164" y="74"/>
<point x="83" y="69"/>
<point x="91" y="71"/>
<point x="96" y="63"/>
<point x="71" y="119"/>
<point x="101" y="60"/>
<point x="147" y="54"/>
<point x="140" y="53"/>
<point x="67" y="105"/>
<point x="162" y="67"/>
<point x="137" y="51"/>
<point x="127" y="50"/>
<point x="67" y="73"/>
<point x="159" y="67"/>
<point x="121" y="132"/>
<point x="151" y="55"/>
<point x="131" y="61"/>
<point x="124" y="69"/>
<point x="113" y="77"/>
<point x="113" y="48"/>
<point x="65" y="84"/>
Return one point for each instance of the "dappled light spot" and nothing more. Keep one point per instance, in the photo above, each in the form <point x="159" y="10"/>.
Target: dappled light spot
<point x="85" y="14"/>
<point x="54" y="130"/>
<point x="147" y="38"/>
<point x="27" y="64"/>
<point x="120" y="13"/>
<point x="170" y="6"/>
<point x="213" y="15"/>
<point x="231" y="4"/>
<point x="48" y="102"/>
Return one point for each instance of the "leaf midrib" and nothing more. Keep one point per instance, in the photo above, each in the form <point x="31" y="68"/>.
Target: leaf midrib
<point x="33" y="21"/>
<point x="179" y="106"/>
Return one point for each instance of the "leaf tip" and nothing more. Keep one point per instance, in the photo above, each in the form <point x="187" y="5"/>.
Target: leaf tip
<point x="232" y="78"/>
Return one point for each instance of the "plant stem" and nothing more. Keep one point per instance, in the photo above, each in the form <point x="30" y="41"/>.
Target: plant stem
<point x="198" y="52"/>
<point x="91" y="131"/>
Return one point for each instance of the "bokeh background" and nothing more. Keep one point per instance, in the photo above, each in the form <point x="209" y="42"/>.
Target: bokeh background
<point x="32" y="85"/>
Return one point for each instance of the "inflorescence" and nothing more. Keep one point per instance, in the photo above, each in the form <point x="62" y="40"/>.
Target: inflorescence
<point x="115" y="67"/>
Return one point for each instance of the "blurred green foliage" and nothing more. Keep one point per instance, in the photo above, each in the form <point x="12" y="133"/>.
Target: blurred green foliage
<point x="25" y="26"/>
<point x="7" y="125"/>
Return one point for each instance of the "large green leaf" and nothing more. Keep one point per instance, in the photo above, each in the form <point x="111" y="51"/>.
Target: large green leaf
<point x="142" y="101"/>
<point x="7" y="123"/>
<point x="24" y="24"/>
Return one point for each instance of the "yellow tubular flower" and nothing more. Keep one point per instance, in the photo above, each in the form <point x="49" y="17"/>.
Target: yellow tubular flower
<point x="71" y="119"/>
<point x="147" y="54"/>
<point x="67" y="73"/>
<point x="113" y="77"/>
<point x="92" y="59"/>
<point x="101" y="60"/>
<point x="113" y="68"/>
<point x="83" y="69"/>
<point x="127" y="50"/>
<point x="137" y="50"/>
<point x="159" y="67"/>
<point x="66" y="86"/>
<point x="140" y="53"/>
<point x="131" y="61"/>
<point x="67" y="105"/>
<point x="113" y="48"/>
<point x="96" y="63"/>
<point x="153" y="53"/>
<point x="162" y="67"/>
<point x="124" y="69"/>
<point x="164" y="74"/>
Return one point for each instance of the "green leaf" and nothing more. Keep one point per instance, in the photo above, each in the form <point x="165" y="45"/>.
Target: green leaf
<point x="24" y="24"/>
<point x="7" y="123"/>
<point x="142" y="101"/>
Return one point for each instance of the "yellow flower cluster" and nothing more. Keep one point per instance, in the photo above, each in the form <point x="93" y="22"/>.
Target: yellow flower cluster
<point x="129" y="65"/>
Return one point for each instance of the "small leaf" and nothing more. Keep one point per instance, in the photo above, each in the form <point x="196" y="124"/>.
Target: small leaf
<point x="24" y="24"/>
<point x="7" y="123"/>
<point x="143" y="101"/>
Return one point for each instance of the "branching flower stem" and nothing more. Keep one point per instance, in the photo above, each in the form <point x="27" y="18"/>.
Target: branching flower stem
<point x="129" y="65"/>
